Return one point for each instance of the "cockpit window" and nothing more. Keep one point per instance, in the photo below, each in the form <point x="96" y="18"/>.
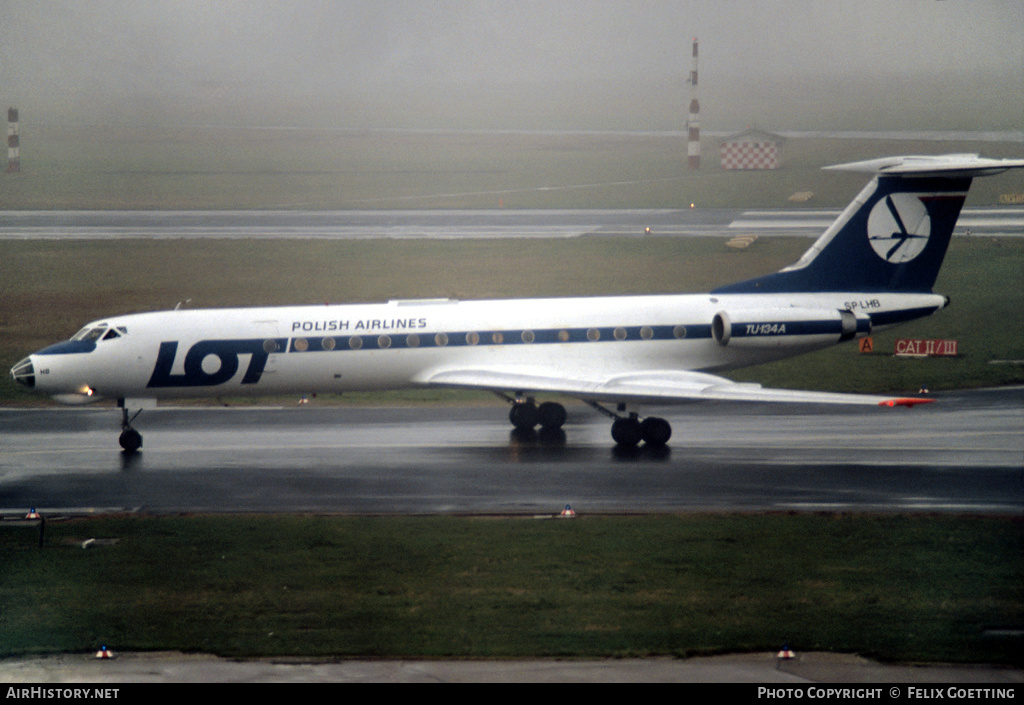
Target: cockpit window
<point x="100" y="331"/>
<point x="91" y="332"/>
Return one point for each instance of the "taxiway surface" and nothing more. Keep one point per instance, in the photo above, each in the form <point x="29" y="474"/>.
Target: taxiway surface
<point x="453" y="224"/>
<point x="965" y="453"/>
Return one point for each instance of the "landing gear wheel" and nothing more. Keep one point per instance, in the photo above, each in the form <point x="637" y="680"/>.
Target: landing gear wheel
<point x="655" y="431"/>
<point x="551" y="415"/>
<point x="524" y="415"/>
<point x="626" y="431"/>
<point x="130" y="440"/>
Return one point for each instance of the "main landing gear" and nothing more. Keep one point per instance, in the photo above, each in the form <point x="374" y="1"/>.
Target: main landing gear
<point x="525" y="415"/>
<point x="630" y="430"/>
<point x="130" y="439"/>
<point x="627" y="431"/>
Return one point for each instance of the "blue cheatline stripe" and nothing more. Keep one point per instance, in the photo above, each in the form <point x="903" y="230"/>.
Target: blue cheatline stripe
<point x="519" y="336"/>
<point x="491" y="338"/>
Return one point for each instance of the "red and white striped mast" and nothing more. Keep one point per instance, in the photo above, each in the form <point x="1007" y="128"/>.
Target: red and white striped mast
<point x="13" y="146"/>
<point x="693" y="123"/>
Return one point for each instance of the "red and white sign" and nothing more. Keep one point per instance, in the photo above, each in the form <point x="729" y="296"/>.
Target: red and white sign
<point x="926" y="348"/>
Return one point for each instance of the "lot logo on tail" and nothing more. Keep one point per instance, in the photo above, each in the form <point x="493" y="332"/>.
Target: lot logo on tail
<point x="899" y="227"/>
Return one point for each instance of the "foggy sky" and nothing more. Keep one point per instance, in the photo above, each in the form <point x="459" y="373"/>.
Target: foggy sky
<point x="57" y="55"/>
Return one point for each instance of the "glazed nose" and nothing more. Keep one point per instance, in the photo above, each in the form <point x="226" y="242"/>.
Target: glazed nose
<point x="24" y="373"/>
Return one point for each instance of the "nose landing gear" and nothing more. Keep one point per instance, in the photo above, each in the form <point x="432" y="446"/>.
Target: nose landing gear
<point x="130" y="439"/>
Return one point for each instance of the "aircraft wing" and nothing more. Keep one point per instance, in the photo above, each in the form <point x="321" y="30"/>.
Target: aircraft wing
<point x="649" y="387"/>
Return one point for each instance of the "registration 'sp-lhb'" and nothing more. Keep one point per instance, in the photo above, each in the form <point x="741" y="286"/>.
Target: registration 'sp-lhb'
<point x="874" y="267"/>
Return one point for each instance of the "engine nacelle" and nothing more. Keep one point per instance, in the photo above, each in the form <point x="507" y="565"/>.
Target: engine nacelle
<point x="787" y="327"/>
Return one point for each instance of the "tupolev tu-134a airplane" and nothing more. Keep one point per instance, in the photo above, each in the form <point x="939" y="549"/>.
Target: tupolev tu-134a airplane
<point x="874" y="267"/>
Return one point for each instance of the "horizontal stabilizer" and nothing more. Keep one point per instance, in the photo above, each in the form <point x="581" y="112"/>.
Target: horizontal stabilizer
<point x="951" y="165"/>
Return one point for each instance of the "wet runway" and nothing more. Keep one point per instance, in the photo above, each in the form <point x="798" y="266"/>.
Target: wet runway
<point x="965" y="453"/>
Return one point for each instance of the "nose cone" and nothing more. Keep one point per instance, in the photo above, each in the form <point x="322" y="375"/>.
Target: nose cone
<point x="24" y="373"/>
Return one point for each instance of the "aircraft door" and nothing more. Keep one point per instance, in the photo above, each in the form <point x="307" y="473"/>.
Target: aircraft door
<point x="273" y="345"/>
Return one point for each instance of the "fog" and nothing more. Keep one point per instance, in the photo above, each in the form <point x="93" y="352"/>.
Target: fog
<point x="495" y="64"/>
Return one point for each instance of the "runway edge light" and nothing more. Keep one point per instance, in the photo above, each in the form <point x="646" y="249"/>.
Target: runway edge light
<point x="568" y="513"/>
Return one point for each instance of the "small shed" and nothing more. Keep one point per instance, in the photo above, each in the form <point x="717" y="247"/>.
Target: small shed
<point x="752" y="149"/>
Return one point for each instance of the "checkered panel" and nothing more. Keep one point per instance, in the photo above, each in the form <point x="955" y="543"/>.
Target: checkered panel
<point x="750" y="155"/>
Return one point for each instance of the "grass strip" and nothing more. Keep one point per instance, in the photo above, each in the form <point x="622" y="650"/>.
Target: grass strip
<point x="891" y="587"/>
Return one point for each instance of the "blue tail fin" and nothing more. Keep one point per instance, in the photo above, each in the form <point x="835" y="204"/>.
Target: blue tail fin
<point x="893" y="236"/>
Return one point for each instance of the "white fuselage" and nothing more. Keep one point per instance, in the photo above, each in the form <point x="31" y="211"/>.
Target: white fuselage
<point x="401" y="344"/>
